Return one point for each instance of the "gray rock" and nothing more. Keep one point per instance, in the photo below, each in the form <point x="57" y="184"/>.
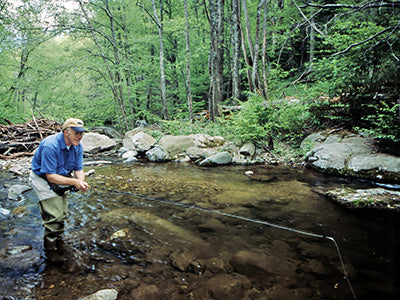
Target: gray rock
<point x="220" y="158"/>
<point x="141" y="123"/>
<point x="130" y="156"/>
<point x="350" y="155"/>
<point x="174" y="145"/>
<point x="107" y="294"/>
<point x="156" y="154"/>
<point x="15" y="191"/>
<point x="195" y="153"/>
<point x="19" y="257"/>
<point x="207" y="141"/>
<point x="381" y="162"/>
<point x="95" y="142"/>
<point x="366" y="198"/>
<point x="140" y="141"/>
<point x="248" y="150"/>
<point x="108" y="131"/>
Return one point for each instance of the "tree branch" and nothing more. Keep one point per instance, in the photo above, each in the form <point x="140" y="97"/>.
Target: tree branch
<point x="150" y="15"/>
<point x="365" y="5"/>
<point x="364" y="41"/>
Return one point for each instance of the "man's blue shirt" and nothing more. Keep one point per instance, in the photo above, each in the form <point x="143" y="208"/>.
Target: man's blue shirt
<point x="53" y="157"/>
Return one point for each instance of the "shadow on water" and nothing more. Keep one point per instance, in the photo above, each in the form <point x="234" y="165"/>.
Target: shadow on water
<point x="135" y="239"/>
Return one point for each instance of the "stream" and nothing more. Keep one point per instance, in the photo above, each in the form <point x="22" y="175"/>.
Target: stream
<point x="139" y="230"/>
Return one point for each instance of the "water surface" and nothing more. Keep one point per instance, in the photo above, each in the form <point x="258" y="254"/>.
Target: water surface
<point x="130" y="233"/>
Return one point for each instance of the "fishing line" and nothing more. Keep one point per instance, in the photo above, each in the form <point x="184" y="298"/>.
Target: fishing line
<point x="209" y="210"/>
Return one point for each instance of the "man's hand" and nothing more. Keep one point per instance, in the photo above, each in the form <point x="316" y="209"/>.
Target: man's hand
<point x="81" y="185"/>
<point x="79" y="182"/>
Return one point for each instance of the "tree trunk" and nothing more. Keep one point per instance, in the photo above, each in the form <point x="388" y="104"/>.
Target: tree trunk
<point x="312" y="45"/>
<point x="189" y="92"/>
<point x="264" y="51"/>
<point x="216" y="56"/>
<point x="236" y="44"/>
<point x="162" y="72"/>
<point x="255" y="74"/>
<point x="248" y="30"/>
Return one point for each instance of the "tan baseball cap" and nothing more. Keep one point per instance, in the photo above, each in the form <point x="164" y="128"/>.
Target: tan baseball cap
<point x="75" y="124"/>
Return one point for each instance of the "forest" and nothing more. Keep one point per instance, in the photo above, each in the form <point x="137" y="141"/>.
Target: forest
<point x="244" y="69"/>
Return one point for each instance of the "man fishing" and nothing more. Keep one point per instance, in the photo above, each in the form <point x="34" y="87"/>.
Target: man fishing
<point x="57" y="167"/>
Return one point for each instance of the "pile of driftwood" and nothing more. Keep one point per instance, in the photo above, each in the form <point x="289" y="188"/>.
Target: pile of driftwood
<point x="22" y="139"/>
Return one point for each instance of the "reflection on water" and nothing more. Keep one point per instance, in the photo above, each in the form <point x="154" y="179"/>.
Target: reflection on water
<point x="133" y="239"/>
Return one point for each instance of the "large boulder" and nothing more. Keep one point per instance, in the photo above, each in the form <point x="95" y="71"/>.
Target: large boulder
<point x="95" y="142"/>
<point x="138" y="140"/>
<point x="174" y="145"/>
<point x="350" y="155"/>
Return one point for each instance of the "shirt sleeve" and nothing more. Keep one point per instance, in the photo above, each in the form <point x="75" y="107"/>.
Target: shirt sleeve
<point x="49" y="161"/>
<point x="79" y="159"/>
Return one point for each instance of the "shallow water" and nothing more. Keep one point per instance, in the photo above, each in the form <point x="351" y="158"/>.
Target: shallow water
<point x="130" y="231"/>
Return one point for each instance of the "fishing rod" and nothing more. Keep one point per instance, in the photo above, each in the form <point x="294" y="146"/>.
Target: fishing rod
<point x="218" y="212"/>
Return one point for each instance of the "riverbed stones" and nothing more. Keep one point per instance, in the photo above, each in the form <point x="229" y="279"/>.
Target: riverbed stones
<point x="19" y="258"/>
<point x="141" y="291"/>
<point x="15" y="191"/>
<point x="252" y="263"/>
<point x="157" y="227"/>
<point x="223" y="286"/>
<point x="182" y="260"/>
<point x="106" y="294"/>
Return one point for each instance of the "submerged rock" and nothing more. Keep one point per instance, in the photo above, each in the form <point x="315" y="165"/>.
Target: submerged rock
<point x="253" y="263"/>
<point x="107" y="294"/>
<point x="19" y="258"/>
<point x="153" y="225"/>
<point x="15" y="191"/>
<point x="223" y="286"/>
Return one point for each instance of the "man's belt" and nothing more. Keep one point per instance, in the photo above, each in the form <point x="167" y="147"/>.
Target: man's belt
<point x="58" y="189"/>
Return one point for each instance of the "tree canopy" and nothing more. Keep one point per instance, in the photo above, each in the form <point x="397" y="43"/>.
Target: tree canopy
<point x="115" y="62"/>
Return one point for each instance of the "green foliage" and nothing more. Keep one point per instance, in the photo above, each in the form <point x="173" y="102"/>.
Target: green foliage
<point x="96" y="79"/>
<point x="383" y="122"/>
<point x="286" y="119"/>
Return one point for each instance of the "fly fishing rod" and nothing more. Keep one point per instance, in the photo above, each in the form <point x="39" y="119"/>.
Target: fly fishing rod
<point x="213" y="211"/>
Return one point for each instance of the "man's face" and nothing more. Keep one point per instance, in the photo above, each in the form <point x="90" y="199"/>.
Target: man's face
<point x="72" y="137"/>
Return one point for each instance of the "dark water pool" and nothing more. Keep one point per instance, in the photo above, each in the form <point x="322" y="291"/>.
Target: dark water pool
<point x="131" y="234"/>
